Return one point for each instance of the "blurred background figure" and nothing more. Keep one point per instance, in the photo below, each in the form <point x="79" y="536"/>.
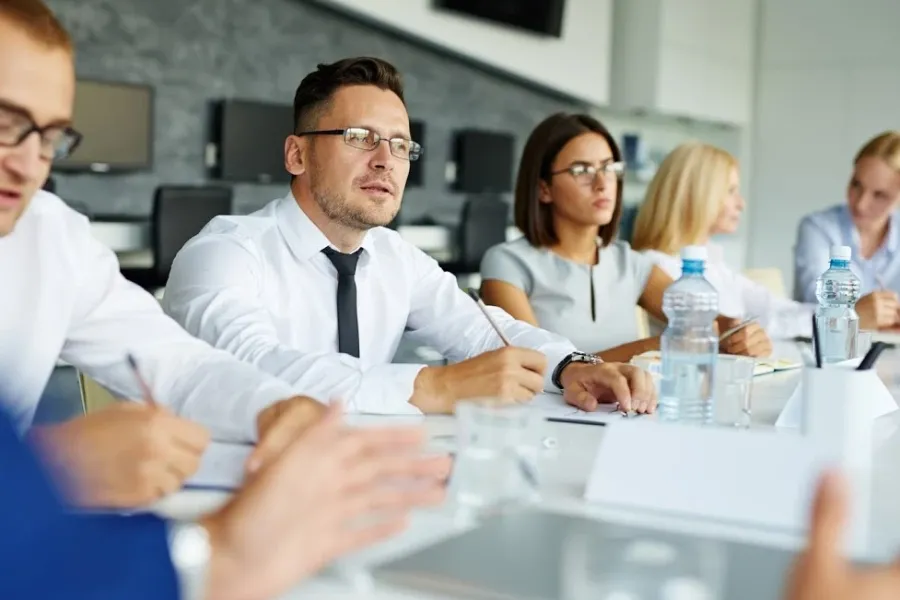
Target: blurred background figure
<point x="868" y="223"/>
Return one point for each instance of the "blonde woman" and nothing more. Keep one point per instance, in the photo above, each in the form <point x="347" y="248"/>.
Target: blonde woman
<point x="868" y="223"/>
<point x="695" y="195"/>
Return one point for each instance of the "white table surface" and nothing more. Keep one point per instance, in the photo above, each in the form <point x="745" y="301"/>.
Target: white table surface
<point x="564" y="474"/>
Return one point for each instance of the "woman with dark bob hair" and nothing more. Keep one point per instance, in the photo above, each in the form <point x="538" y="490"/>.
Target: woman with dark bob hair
<point x="568" y="273"/>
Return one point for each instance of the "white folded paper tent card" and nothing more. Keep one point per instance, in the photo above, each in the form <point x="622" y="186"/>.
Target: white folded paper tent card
<point x="863" y="389"/>
<point x="751" y="478"/>
<point x="756" y="478"/>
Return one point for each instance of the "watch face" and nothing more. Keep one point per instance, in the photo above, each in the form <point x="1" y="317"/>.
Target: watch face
<point x="190" y="547"/>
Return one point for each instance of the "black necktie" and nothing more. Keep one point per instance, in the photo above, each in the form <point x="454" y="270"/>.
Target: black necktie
<point x="348" y="325"/>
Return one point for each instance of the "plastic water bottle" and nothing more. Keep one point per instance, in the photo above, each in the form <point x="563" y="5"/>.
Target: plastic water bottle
<point x="837" y="290"/>
<point x="689" y="344"/>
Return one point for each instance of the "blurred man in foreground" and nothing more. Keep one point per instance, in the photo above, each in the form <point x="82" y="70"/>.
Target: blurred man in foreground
<point x="63" y="296"/>
<point x="322" y="497"/>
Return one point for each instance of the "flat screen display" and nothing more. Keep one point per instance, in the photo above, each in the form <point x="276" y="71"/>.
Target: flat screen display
<point x="416" y="168"/>
<point x="116" y="120"/>
<point x="539" y="16"/>
<point x="250" y="137"/>
<point x="484" y="161"/>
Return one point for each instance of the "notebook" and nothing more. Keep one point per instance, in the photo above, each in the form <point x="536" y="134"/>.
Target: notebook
<point x="764" y="366"/>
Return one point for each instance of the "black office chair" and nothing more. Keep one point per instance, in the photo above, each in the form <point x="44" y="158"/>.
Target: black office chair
<point x="483" y="225"/>
<point x="626" y="223"/>
<point x="179" y="213"/>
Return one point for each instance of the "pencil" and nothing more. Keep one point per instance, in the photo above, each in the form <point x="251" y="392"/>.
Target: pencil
<point x="477" y="298"/>
<point x="145" y="389"/>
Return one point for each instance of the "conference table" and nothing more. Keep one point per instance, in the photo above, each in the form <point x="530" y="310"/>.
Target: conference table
<point x="564" y="471"/>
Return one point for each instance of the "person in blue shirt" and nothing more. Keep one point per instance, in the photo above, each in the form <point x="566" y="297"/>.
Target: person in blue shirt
<point x="869" y="224"/>
<point x="315" y="489"/>
<point x="298" y="512"/>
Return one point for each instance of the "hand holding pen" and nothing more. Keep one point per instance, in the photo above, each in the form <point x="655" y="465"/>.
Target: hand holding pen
<point x="591" y="385"/>
<point x="746" y="338"/>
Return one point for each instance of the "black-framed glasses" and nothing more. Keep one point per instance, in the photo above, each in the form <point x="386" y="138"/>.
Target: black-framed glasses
<point x="57" y="141"/>
<point x="585" y="174"/>
<point x="366" y="139"/>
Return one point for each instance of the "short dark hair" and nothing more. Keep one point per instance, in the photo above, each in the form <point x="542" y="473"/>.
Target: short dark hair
<point x="534" y="217"/>
<point x="315" y="92"/>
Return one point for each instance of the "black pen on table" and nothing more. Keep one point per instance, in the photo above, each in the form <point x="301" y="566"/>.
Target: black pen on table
<point x="145" y="389"/>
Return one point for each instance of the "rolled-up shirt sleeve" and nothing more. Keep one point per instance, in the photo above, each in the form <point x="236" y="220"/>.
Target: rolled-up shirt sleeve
<point x="113" y="317"/>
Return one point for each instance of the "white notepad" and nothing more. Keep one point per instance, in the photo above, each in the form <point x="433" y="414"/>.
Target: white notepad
<point x="221" y="468"/>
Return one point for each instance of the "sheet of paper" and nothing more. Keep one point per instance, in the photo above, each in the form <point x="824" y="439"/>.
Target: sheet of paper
<point x="222" y="467"/>
<point x="553" y="406"/>
<point x="747" y="477"/>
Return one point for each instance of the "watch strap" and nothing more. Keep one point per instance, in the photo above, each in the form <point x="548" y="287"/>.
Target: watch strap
<point x="582" y="357"/>
<point x="190" y="551"/>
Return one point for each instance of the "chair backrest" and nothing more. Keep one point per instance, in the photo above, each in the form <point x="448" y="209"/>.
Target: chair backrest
<point x="179" y="213"/>
<point x="93" y="395"/>
<point x="643" y="322"/>
<point x="483" y="226"/>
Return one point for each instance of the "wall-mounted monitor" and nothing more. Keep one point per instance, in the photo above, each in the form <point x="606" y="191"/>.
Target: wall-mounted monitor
<point x="538" y="16"/>
<point x="250" y="136"/>
<point x="417" y="167"/>
<point x="484" y="161"/>
<point x="116" y="120"/>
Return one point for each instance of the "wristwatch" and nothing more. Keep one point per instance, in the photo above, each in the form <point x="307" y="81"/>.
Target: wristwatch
<point x="575" y="357"/>
<point x="190" y="551"/>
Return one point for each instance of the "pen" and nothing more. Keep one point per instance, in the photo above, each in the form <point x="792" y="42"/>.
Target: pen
<point x="145" y="389"/>
<point x="871" y="356"/>
<point x="738" y="327"/>
<point x="880" y="282"/>
<point x="487" y="315"/>
<point x="817" y="348"/>
<point x="576" y="421"/>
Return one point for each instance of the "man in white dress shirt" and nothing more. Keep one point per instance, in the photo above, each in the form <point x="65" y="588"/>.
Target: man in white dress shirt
<point x="314" y="289"/>
<point x="63" y="297"/>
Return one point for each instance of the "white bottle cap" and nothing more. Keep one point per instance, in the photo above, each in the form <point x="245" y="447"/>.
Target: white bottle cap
<point x="840" y="252"/>
<point x="693" y="253"/>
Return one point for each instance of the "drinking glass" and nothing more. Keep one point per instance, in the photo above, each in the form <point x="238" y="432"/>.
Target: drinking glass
<point x="498" y="445"/>
<point x="651" y="364"/>
<point x="863" y="343"/>
<point x="733" y="391"/>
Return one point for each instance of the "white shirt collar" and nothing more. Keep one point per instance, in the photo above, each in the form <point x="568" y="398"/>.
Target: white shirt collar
<point x="304" y="238"/>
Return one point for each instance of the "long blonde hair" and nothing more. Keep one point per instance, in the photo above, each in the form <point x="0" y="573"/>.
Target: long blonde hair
<point x="885" y="146"/>
<point x="684" y="198"/>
